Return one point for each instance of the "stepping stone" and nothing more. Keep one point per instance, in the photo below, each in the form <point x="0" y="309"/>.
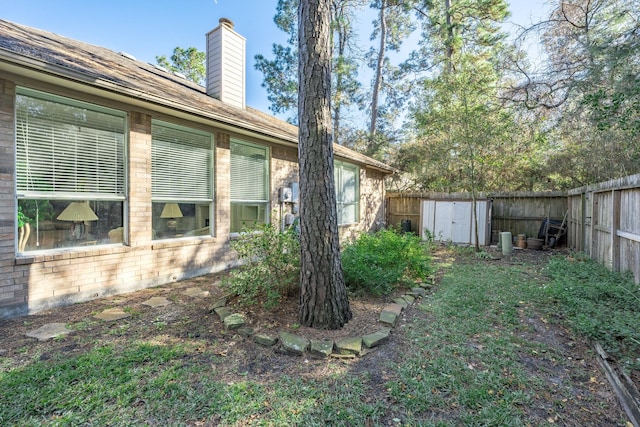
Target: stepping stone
<point x="195" y="292"/>
<point x="402" y="302"/>
<point x="343" y="356"/>
<point x="219" y="303"/>
<point x="321" y="349"/>
<point x="264" y="339"/>
<point x="49" y="330"/>
<point x="393" y="308"/>
<point x="388" y="318"/>
<point x="409" y="298"/>
<point x="293" y="343"/>
<point x="349" y="346"/>
<point x="222" y="312"/>
<point x="376" y="338"/>
<point x="246" y="332"/>
<point x="234" y="321"/>
<point x="111" y="314"/>
<point x="157" y="302"/>
<point x="419" y="291"/>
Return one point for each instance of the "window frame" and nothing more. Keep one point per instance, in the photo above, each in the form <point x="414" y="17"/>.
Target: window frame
<point x="340" y="167"/>
<point x="50" y="130"/>
<point x="243" y="202"/>
<point x="195" y="143"/>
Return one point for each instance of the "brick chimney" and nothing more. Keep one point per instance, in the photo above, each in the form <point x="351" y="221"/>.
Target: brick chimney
<point x="226" y="64"/>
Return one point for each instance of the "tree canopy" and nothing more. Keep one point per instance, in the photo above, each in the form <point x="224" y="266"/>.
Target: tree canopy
<point x="440" y="90"/>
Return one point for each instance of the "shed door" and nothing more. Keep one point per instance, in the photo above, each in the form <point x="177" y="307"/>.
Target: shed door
<point x="453" y="221"/>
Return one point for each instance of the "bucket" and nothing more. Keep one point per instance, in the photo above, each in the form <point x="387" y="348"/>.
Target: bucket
<point x="535" y="244"/>
<point x="506" y="243"/>
<point x="521" y="242"/>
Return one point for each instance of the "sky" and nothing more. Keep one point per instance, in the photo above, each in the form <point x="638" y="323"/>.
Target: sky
<point x="150" y="28"/>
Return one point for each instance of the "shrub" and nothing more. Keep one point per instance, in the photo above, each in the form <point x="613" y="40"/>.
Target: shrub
<point x="376" y="263"/>
<point x="271" y="266"/>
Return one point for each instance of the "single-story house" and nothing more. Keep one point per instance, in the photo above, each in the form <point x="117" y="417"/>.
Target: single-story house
<point x="117" y="175"/>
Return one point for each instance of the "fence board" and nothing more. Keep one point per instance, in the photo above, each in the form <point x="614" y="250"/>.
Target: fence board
<point x="607" y="216"/>
<point x="517" y="212"/>
<point x="603" y="219"/>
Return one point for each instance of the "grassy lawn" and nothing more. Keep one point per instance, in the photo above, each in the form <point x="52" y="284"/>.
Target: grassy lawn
<point x="491" y="346"/>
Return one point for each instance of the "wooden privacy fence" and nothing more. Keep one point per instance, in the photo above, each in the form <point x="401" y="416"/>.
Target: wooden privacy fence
<point x="604" y="222"/>
<point x="603" y="219"/>
<point x="517" y="212"/>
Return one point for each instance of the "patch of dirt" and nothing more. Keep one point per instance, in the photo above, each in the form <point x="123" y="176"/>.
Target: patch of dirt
<point x="569" y="365"/>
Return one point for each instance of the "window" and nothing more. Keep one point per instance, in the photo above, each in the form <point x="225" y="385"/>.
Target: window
<point x="249" y="185"/>
<point x="70" y="172"/>
<point x="182" y="181"/>
<point x="347" y="178"/>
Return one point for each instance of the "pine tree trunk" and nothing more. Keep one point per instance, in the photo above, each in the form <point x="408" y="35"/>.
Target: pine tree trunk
<point x="323" y="296"/>
<point x="373" y="124"/>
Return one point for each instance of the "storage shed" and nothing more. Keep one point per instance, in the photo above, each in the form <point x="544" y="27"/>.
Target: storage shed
<point x="453" y="221"/>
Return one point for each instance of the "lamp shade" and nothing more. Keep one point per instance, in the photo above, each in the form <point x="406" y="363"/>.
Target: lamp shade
<point x="171" y="210"/>
<point x="77" y="212"/>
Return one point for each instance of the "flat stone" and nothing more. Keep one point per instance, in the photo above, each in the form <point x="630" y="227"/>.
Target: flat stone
<point x="195" y="292"/>
<point x="234" y="321"/>
<point x="409" y="298"/>
<point x="222" y="312"/>
<point x="376" y="338"/>
<point x="393" y="308"/>
<point x="157" y="302"/>
<point x="321" y="349"/>
<point x="293" y="343"/>
<point x="401" y="301"/>
<point x="349" y="345"/>
<point x="48" y="331"/>
<point x="219" y="303"/>
<point x="112" y="314"/>
<point x="343" y="356"/>
<point x="388" y="318"/>
<point x="419" y="291"/>
<point x="264" y="339"/>
<point x="246" y="332"/>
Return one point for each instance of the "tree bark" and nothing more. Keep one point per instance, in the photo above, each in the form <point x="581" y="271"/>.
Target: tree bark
<point x="323" y="296"/>
<point x="373" y="124"/>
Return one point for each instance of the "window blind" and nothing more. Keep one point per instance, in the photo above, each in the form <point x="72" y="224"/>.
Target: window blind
<point x="347" y="189"/>
<point x="181" y="165"/>
<point x="249" y="172"/>
<point x="66" y="148"/>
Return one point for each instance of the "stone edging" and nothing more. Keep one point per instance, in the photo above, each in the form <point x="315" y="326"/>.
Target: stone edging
<point x="349" y="347"/>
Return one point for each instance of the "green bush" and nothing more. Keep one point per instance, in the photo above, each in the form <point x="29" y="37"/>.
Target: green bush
<point x="271" y="266"/>
<point x="376" y="263"/>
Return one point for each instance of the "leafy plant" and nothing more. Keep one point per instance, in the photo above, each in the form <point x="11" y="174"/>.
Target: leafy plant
<point x="271" y="265"/>
<point x="22" y="218"/>
<point x="376" y="263"/>
<point x="599" y="304"/>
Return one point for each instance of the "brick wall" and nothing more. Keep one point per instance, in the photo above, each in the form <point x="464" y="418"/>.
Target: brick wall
<point x="13" y="287"/>
<point x="35" y="281"/>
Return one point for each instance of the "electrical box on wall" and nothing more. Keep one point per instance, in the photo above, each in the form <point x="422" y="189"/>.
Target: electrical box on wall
<point x="286" y="195"/>
<point x="295" y="191"/>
